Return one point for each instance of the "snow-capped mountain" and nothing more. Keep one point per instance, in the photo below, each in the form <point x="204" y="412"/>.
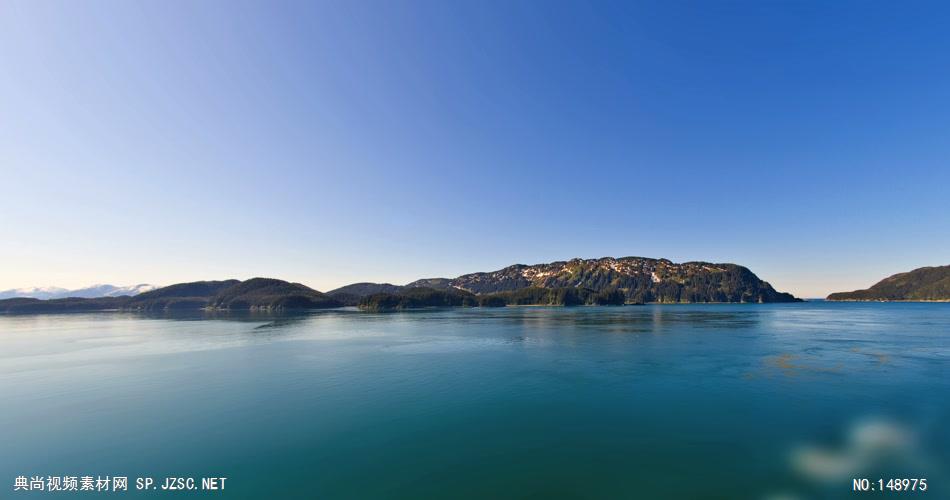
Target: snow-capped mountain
<point x="89" y="292"/>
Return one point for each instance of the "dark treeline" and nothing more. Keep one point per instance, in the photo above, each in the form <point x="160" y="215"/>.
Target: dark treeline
<point x="69" y="304"/>
<point x="565" y="296"/>
<point x="415" y="298"/>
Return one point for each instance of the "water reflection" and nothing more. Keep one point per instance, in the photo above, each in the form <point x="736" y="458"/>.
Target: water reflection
<point x="763" y="400"/>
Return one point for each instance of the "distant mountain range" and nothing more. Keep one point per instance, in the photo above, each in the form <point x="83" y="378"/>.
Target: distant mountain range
<point x="638" y="279"/>
<point x="627" y="280"/>
<point x="608" y="280"/>
<point x="253" y="294"/>
<point x="89" y="292"/>
<point x="923" y="284"/>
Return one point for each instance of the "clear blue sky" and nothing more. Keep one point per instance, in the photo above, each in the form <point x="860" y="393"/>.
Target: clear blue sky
<point x="334" y="142"/>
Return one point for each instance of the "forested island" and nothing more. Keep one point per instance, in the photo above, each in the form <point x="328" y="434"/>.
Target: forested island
<point x="626" y="280"/>
<point x="605" y="281"/>
<point x="926" y="284"/>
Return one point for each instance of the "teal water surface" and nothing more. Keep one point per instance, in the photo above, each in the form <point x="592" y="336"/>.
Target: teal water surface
<point x="673" y="401"/>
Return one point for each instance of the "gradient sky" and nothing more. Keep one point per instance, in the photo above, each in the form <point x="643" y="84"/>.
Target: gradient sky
<point x="335" y="142"/>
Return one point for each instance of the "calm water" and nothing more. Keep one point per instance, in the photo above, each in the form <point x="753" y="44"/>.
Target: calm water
<point x="717" y="401"/>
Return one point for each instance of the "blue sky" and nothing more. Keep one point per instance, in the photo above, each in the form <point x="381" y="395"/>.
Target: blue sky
<point x="335" y="142"/>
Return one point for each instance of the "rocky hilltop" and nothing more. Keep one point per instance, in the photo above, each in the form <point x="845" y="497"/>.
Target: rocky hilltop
<point x="923" y="284"/>
<point x="640" y="279"/>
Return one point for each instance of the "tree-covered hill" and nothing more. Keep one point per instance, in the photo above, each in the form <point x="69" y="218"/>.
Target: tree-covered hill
<point x="193" y="295"/>
<point x="350" y="295"/>
<point x="639" y="279"/>
<point x="270" y="294"/>
<point x="923" y="284"/>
